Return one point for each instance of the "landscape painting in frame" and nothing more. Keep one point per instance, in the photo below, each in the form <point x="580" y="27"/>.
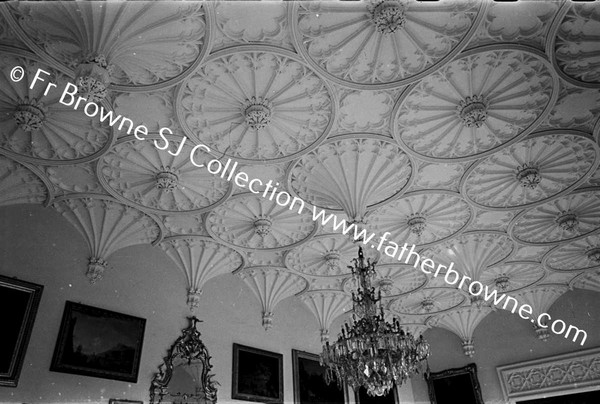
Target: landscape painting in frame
<point x="310" y="386"/>
<point x="257" y="375"/>
<point x="20" y="301"/>
<point x="100" y="343"/>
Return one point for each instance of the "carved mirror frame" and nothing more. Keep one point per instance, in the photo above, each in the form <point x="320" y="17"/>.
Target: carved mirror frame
<point x="188" y="347"/>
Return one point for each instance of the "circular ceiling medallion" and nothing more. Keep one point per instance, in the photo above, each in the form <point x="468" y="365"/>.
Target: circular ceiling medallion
<point x="422" y="217"/>
<point x="352" y="173"/>
<point x="326" y="255"/>
<point x="392" y="280"/>
<point x="512" y="276"/>
<point x="488" y="98"/>
<point x="137" y="172"/>
<point x="257" y="104"/>
<point x="250" y="221"/>
<point x="382" y="44"/>
<point x="569" y="217"/>
<point x="576" y="255"/>
<point x="532" y="171"/>
<point x="575" y="47"/>
<point x="428" y="301"/>
<point x="37" y="128"/>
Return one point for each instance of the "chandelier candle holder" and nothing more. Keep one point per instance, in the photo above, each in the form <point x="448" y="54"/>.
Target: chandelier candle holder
<point x="372" y="352"/>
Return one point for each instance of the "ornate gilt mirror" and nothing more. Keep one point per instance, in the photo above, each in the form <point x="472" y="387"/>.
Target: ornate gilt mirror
<point x="183" y="377"/>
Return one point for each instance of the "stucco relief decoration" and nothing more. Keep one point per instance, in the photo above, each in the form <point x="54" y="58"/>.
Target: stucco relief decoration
<point x="155" y="109"/>
<point x="540" y="298"/>
<point x="117" y="44"/>
<point x="188" y="224"/>
<point x="256" y="106"/>
<point x="491" y="220"/>
<point x="422" y="217"/>
<point x="19" y="185"/>
<point x="428" y="301"/>
<point x="325" y="255"/>
<point x="107" y="226"/>
<point x="359" y="45"/>
<point x="439" y="176"/>
<point x="354" y="117"/>
<point x="512" y="276"/>
<point x="200" y="259"/>
<point x="576" y="108"/>
<point x="476" y="104"/>
<point x="577" y="255"/>
<point x="352" y="174"/>
<point x="392" y="280"/>
<point x="587" y="280"/>
<point x="252" y="222"/>
<point x="532" y="171"/>
<point x="576" y="45"/>
<point x="326" y="306"/>
<point x="159" y="181"/>
<point x="37" y="128"/>
<point x="272" y="285"/>
<point x="569" y="217"/>
<point x="75" y="178"/>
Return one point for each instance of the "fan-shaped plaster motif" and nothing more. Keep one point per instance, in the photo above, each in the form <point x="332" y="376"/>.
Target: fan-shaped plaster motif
<point x="559" y="278"/>
<point x="491" y="220"/>
<point x="159" y="181"/>
<point x="588" y="281"/>
<point x="576" y="255"/>
<point x="270" y="286"/>
<point x="532" y="171"/>
<point x="576" y="45"/>
<point x="569" y="217"/>
<point x="80" y="178"/>
<point x="540" y="298"/>
<point x="107" y="227"/>
<point x="428" y="301"/>
<point x="19" y="185"/>
<point x="326" y="306"/>
<point x="472" y="252"/>
<point x="257" y="106"/>
<point x="140" y="44"/>
<point x="200" y="259"/>
<point x="511" y="276"/>
<point x="439" y="176"/>
<point x="383" y="43"/>
<point x="325" y="255"/>
<point x="475" y="105"/>
<point x="265" y="173"/>
<point x="252" y="222"/>
<point x="37" y="128"/>
<point x="392" y="280"/>
<point x="352" y="174"/>
<point x="8" y="36"/>
<point x="422" y="217"/>
<point x="241" y="23"/>
<point x="530" y="252"/>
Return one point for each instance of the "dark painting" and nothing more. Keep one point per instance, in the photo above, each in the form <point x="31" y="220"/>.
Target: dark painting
<point x="362" y="397"/>
<point x="310" y="386"/>
<point x="589" y="397"/>
<point x="459" y="385"/>
<point x="257" y="375"/>
<point x="98" y="342"/>
<point x="23" y="299"/>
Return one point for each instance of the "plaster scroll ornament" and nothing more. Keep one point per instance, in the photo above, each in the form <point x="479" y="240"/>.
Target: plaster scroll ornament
<point x="35" y="127"/>
<point x="107" y="227"/>
<point x="326" y="306"/>
<point x="272" y="285"/>
<point x="357" y="45"/>
<point x="200" y="259"/>
<point x="18" y="184"/>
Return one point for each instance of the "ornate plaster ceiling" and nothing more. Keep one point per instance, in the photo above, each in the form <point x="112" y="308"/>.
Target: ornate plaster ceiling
<point x="467" y="128"/>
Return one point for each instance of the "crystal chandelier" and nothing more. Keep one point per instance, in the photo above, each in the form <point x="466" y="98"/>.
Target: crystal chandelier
<point x="372" y="352"/>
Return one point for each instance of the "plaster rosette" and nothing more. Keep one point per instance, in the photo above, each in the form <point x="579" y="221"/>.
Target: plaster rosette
<point x="587" y="281"/>
<point x="392" y="280"/>
<point x="107" y="226"/>
<point x="352" y="173"/>
<point x="154" y="180"/>
<point x="476" y="105"/>
<point x="325" y="256"/>
<point x="575" y="46"/>
<point x="462" y="322"/>
<point x="272" y="285"/>
<point x="38" y="128"/>
<point x="374" y="44"/>
<point x="568" y="218"/>
<point x="18" y="184"/>
<point x="200" y="259"/>
<point x="421" y="218"/>
<point x="118" y="45"/>
<point x="540" y="298"/>
<point x="428" y="301"/>
<point x="259" y="105"/>
<point x="250" y="222"/>
<point x="582" y="254"/>
<point x="326" y="306"/>
<point x="512" y="276"/>
<point x="532" y="171"/>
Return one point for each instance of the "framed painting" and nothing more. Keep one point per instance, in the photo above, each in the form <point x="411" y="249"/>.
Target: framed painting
<point x="361" y="397"/>
<point x="257" y="375"/>
<point x="99" y="343"/>
<point x="23" y="298"/>
<point x="459" y="385"/>
<point x="122" y="401"/>
<point x="309" y="381"/>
